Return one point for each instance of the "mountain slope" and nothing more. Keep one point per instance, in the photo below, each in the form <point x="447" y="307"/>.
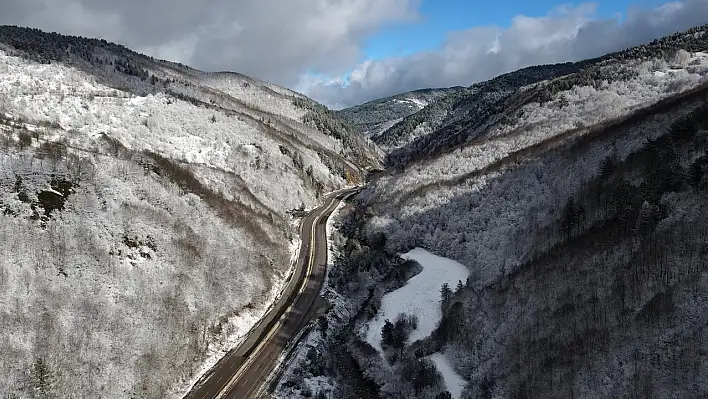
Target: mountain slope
<point x="576" y="202"/>
<point x="465" y="115"/>
<point x="146" y="211"/>
<point x="374" y="117"/>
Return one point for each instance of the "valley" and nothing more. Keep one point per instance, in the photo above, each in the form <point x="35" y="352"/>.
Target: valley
<point x="567" y="191"/>
<point x="169" y="232"/>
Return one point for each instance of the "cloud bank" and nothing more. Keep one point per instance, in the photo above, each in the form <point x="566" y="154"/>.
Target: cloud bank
<point x="480" y="53"/>
<point x="274" y="40"/>
<point x="310" y="44"/>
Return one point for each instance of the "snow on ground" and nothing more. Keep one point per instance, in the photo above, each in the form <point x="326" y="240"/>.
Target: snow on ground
<point x="384" y="127"/>
<point x="418" y="102"/>
<point x="454" y="383"/>
<point x="244" y="324"/>
<point x="420" y="296"/>
<point x="206" y="283"/>
<point x="414" y="102"/>
<point x="331" y="248"/>
<point x="253" y="92"/>
<point x="174" y="128"/>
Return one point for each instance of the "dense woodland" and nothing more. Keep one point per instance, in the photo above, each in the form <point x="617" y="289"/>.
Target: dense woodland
<point x="575" y="193"/>
<point x="609" y="302"/>
<point x="122" y="68"/>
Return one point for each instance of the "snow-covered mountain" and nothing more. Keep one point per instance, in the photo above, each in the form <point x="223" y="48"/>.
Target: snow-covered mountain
<point x="146" y="216"/>
<point x="374" y="117"/>
<point x="464" y="114"/>
<point x="575" y="194"/>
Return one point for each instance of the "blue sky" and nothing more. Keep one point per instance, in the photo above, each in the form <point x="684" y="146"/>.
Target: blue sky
<point x="442" y="16"/>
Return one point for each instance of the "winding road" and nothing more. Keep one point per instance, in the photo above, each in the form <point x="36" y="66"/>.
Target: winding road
<point x="243" y="371"/>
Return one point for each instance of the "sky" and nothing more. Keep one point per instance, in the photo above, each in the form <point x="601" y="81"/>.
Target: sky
<point x="346" y="52"/>
<point x="439" y="17"/>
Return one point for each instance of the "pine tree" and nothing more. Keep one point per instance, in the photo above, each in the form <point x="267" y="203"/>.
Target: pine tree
<point x="607" y="166"/>
<point x="460" y="286"/>
<point x="41" y="380"/>
<point x="401" y="331"/>
<point x="445" y="295"/>
<point x="570" y="218"/>
<point x="697" y="171"/>
<point x="387" y="333"/>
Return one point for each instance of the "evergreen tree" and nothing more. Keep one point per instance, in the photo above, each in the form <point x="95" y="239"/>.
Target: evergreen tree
<point x="697" y="171"/>
<point x="445" y="295"/>
<point x="322" y="325"/>
<point x="387" y="334"/>
<point x="607" y="166"/>
<point x="401" y="331"/>
<point x="573" y="217"/>
<point x="41" y="380"/>
<point x="421" y="373"/>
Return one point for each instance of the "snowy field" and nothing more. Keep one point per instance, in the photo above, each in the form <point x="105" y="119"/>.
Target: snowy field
<point x="419" y="297"/>
<point x="454" y="383"/>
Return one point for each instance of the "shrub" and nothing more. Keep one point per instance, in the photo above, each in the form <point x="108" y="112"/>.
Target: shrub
<point x="52" y="150"/>
<point x="25" y="140"/>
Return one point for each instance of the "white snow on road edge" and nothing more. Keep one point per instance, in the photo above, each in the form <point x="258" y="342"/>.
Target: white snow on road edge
<point x="419" y="297"/>
<point x="331" y="254"/>
<point x="314" y="338"/>
<point x="243" y="324"/>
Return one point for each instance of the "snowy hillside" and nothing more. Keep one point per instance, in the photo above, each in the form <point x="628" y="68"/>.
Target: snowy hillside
<point x="576" y="200"/>
<point x="463" y="115"/>
<point x="373" y="118"/>
<point x="146" y="212"/>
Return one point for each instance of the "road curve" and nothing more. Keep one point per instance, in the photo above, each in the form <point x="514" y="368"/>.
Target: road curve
<point x="242" y="372"/>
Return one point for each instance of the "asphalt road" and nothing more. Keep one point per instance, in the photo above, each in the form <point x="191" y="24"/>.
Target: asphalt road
<point x="242" y="372"/>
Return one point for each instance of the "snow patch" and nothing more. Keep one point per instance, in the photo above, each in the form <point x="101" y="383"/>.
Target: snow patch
<point x="418" y="102"/>
<point x="420" y="296"/>
<point x="454" y="383"/>
<point x="415" y="102"/>
<point x="244" y="324"/>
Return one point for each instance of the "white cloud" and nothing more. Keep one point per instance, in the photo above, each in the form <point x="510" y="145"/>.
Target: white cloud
<point x="275" y="40"/>
<point x="565" y="34"/>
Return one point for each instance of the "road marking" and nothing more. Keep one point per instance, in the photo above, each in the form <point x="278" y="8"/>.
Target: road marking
<point x="274" y="329"/>
<point x="260" y="376"/>
<point x="250" y="358"/>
